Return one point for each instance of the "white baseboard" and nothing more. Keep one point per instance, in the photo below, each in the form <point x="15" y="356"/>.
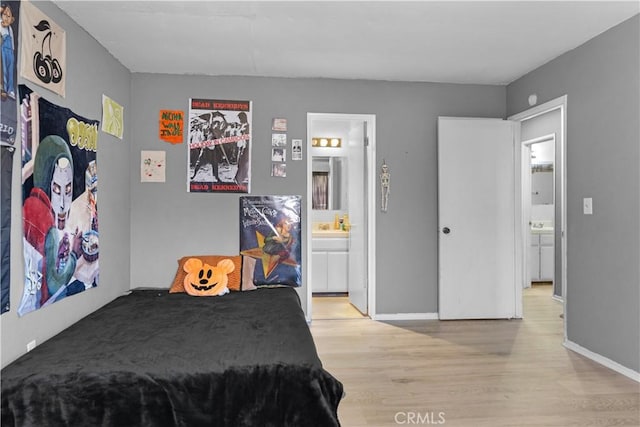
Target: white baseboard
<point x="406" y="316"/>
<point x="603" y="360"/>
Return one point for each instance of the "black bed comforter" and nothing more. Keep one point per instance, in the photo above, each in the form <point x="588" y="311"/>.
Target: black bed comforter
<point x="157" y="359"/>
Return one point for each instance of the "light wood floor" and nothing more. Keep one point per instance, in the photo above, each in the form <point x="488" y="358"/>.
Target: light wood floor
<point x="472" y="373"/>
<point x="333" y="307"/>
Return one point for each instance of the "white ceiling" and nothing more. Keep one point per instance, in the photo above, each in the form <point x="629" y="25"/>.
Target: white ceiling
<point x="446" y="41"/>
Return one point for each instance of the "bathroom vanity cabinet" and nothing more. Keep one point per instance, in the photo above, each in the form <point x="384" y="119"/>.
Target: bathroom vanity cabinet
<point x="541" y="261"/>
<point x="330" y="264"/>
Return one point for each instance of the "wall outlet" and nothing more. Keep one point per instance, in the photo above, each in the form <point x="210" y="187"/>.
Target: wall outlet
<point x="31" y="345"/>
<point x="587" y="206"/>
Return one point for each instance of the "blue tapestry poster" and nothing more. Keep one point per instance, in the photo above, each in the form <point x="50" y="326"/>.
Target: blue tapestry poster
<point x="270" y="231"/>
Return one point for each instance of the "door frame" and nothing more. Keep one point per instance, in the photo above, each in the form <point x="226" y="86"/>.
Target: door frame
<point x="555" y="104"/>
<point x="370" y="208"/>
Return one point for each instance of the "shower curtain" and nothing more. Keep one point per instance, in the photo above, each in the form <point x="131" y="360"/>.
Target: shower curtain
<point x="320" y="187"/>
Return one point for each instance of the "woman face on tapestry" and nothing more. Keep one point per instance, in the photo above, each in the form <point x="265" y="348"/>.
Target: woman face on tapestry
<point x="62" y="191"/>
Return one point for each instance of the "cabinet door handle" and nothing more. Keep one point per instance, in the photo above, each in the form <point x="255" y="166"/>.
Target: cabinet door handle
<point x="446" y="230"/>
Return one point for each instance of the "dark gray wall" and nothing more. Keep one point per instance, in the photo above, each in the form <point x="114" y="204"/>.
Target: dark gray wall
<point x="602" y="81"/>
<point x="91" y="71"/>
<point x="168" y="223"/>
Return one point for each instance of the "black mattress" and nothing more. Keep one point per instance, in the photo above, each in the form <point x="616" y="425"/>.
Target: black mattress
<point x="157" y="359"/>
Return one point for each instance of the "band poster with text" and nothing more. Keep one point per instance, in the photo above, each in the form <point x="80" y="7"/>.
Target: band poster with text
<point x="60" y="202"/>
<point x="271" y="234"/>
<point x="219" y="158"/>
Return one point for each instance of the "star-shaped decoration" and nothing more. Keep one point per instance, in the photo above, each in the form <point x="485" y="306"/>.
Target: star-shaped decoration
<point x="269" y="262"/>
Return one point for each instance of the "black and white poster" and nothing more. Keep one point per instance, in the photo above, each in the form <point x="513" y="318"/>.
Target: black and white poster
<point x="219" y="156"/>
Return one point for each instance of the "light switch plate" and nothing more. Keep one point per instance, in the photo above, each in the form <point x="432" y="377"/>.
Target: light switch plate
<point x="587" y="206"/>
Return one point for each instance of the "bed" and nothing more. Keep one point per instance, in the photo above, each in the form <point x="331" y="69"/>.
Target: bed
<point x="152" y="358"/>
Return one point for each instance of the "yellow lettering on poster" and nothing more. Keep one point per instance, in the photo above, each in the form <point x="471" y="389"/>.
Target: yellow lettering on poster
<point x="83" y="135"/>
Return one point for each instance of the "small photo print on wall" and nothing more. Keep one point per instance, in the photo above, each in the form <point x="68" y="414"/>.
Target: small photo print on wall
<point x="279" y="170"/>
<point x="279" y="125"/>
<point x="278" y="154"/>
<point x="296" y="149"/>
<point x="278" y="139"/>
<point x="153" y="165"/>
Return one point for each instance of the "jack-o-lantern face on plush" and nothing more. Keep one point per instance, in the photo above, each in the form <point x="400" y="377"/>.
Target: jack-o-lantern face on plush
<point x="206" y="280"/>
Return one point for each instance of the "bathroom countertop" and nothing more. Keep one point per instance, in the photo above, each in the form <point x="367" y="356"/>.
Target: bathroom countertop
<point x="541" y="228"/>
<point x="329" y="234"/>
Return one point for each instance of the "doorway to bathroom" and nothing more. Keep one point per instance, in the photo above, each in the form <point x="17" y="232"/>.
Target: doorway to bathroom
<point x="340" y="215"/>
<point x="543" y="165"/>
<point x="539" y="206"/>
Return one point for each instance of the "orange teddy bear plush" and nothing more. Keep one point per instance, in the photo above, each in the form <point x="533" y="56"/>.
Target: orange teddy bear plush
<point x="205" y="280"/>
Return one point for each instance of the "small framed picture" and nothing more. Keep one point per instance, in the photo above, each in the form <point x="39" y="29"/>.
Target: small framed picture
<point x="296" y="149"/>
<point x="278" y="139"/>
<point x="279" y="125"/>
<point x="278" y="154"/>
<point x="279" y="170"/>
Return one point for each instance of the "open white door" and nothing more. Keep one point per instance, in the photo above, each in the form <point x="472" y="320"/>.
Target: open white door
<point x="357" y="193"/>
<point x="477" y="218"/>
